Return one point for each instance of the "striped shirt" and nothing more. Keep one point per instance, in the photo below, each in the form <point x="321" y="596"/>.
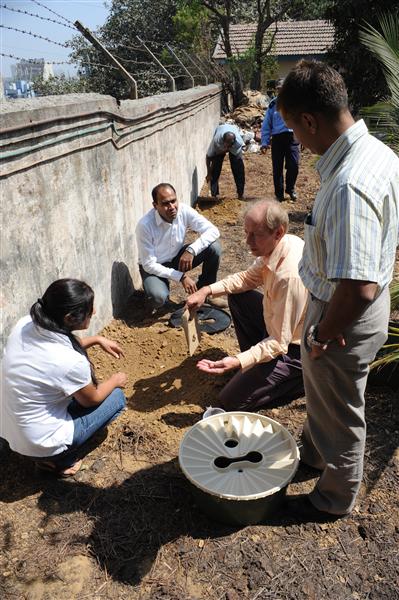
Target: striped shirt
<point x="353" y="230"/>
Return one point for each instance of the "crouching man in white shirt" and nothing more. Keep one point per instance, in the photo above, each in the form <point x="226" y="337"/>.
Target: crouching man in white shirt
<point x="163" y="255"/>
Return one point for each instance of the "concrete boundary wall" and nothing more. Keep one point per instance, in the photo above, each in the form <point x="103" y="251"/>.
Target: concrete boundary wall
<point x="76" y="175"/>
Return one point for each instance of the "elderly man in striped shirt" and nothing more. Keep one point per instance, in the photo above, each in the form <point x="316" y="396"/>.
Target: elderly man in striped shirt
<point x="350" y="245"/>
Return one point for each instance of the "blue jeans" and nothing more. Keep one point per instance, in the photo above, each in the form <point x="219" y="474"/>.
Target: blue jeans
<point x="86" y="422"/>
<point x="157" y="288"/>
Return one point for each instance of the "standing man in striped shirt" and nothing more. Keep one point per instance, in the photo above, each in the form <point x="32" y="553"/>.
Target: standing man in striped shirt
<point x="350" y="244"/>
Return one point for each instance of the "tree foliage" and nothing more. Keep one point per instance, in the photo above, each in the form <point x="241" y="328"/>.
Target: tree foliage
<point x="362" y="72"/>
<point x="60" y="84"/>
<point x="152" y="22"/>
<point x="308" y="10"/>
<point x="268" y="12"/>
<point x="193" y="28"/>
<point x="263" y="13"/>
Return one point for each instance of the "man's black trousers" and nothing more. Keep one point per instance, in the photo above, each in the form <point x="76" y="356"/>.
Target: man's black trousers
<point x="284" y="148"/>
<point x="237" y="167"/>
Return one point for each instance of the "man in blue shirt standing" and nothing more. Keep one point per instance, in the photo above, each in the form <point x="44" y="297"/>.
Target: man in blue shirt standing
<point x="226" y="139"/>
<point x="284" y="148"/>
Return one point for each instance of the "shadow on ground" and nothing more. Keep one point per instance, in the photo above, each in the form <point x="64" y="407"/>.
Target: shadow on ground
<point x="131" y="521"/>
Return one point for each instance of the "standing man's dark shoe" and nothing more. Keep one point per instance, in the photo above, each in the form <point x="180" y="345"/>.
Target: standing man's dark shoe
<point x="293" y="196"/>
<point x="300" y="507"/>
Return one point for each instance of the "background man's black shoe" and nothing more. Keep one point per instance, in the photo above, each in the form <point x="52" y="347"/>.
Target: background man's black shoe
<point x="293" y="196"/>
<point x="301" y="508"/>
<point x="280" y="198"/>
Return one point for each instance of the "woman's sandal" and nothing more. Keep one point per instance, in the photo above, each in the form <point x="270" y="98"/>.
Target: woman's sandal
<point x="49" y="467"/>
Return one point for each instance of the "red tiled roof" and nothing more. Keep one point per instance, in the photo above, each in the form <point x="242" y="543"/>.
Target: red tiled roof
<point x="293" y="38"/>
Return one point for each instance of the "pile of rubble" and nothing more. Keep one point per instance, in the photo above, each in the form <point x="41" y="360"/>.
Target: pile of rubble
<point x="249" y="117"/>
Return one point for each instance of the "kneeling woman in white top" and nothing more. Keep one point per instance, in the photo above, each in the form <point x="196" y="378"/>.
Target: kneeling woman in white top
<point x="51" y="402"/>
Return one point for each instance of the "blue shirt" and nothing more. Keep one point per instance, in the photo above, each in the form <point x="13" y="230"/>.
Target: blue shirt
<point x="352" y="232"/>
<point x="216" y="146"/>
<point x="273" y="124"/>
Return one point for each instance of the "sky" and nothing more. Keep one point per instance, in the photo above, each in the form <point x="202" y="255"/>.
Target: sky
<point x="92" y="13"/>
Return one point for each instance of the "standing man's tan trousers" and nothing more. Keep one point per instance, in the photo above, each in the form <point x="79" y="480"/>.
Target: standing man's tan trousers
<point x="335" y="430"/>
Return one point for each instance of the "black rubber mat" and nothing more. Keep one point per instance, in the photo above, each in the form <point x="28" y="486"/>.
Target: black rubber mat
<point x="210" y="319"/>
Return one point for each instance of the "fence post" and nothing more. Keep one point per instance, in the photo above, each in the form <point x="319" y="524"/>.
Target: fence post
<point x="125" y="74"/>
<point x="196" y="66"/>
<point x="204" y="64"/>
<point x="180" y="63"/>
<point x="159" y="63"/>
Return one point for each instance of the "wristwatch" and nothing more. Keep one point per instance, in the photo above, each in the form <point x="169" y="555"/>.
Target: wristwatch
<point x="312" y="340"/>
<point x="190" y="250"/>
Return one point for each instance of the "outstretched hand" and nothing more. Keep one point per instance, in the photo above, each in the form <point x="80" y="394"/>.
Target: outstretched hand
<point x="218" y="367"/>
<point x="110" y="347"/>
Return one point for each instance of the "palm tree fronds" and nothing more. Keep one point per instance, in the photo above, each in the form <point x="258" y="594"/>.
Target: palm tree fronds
<point x="394" y="291"/>
<point x="384" y="116"/>
<point x="384" y="45"/>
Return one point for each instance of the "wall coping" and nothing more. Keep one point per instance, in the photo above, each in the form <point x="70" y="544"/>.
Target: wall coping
<point x="28" y="112"/>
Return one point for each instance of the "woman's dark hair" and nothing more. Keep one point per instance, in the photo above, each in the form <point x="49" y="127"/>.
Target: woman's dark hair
<point x="65" y="297"/>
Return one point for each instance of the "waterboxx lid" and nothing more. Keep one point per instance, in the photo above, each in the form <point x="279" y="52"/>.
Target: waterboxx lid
<point x="238" y="456"/>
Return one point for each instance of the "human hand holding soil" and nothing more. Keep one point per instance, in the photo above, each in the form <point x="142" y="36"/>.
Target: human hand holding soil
<point x="228" y="363"/>
<point x="119" y="379"/>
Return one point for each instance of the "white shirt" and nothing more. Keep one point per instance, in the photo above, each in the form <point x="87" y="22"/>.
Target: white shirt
<point x="40" y="373"/>
<point x="159" y="241"/>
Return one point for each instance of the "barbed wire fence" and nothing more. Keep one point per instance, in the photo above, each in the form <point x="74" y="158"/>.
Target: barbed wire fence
<point x="147" y="67"/>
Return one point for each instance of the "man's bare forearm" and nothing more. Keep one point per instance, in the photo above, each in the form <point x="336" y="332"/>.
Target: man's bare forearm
<point x="346" y="305"/>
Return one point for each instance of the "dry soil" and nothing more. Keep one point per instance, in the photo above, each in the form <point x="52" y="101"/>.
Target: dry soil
<point x="126" y="526"/>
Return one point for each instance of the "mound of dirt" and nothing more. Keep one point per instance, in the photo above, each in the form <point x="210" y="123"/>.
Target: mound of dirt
<point x="126" y="527"/>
